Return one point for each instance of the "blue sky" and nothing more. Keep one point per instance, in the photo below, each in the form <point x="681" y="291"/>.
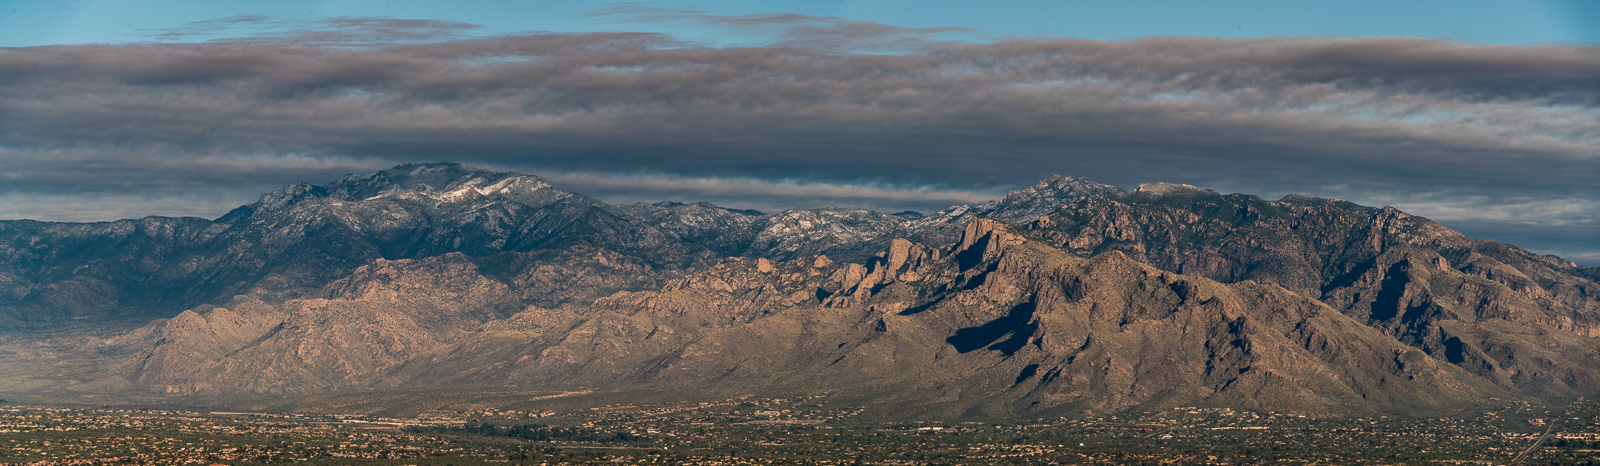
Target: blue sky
<point x="29" y="22"/>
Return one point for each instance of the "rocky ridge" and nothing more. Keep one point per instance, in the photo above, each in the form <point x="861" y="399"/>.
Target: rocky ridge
<point x="1452" y="296"/>
<point x="1064" y="295"/>
<point x="996" y="319"/>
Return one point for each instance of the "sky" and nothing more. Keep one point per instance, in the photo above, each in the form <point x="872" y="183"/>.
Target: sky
<point x="1484" y="116"/>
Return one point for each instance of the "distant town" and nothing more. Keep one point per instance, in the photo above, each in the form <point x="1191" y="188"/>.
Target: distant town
<point x="803" y="430"/>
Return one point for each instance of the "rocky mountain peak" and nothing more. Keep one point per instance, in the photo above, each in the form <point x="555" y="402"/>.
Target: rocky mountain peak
<point x="447" y="182"/>
<point x="700" y="206"/>
<point x="1041" y="199"/>
<point x="289" y="195"/>
<point x="984" y="237"/>
<point x="1045" y="197"/>
<point x="277" y="200"/>
<point x="1165" y="189"/>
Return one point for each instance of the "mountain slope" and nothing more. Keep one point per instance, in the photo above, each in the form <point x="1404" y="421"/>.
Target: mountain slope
<point x="302" y="237"/>
<point x="1485" y="305"/>
<point x="1065" y="295"/>
<point x="995" y="320"/>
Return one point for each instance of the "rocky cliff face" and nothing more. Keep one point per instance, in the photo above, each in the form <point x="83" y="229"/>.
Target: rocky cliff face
<point x="995" y="318"/>
<point x="1065" y="295"/>
<point x="1505" y="313"/>
<point x="382" y="315"/>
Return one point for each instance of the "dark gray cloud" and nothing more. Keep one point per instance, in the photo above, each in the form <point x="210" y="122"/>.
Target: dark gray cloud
<point x="817" y="108"/>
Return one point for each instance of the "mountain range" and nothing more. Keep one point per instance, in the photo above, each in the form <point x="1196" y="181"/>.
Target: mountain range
<point x="1066" y="295"/>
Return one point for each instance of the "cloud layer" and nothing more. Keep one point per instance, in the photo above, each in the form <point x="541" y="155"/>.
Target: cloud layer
<point x="822" y="104"/>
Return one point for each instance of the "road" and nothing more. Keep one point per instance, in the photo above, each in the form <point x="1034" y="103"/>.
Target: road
<point x="1551" y="427"/>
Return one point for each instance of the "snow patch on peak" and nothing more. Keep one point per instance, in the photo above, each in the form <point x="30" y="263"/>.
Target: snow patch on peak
<point x="426" y="168"/>
<point x="1045" y="197"/>
<point x="508" y="185"/>
<point x="447" y="182"/>
<point x="1163" y="189"/>
<point x="1055" y="181"/>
